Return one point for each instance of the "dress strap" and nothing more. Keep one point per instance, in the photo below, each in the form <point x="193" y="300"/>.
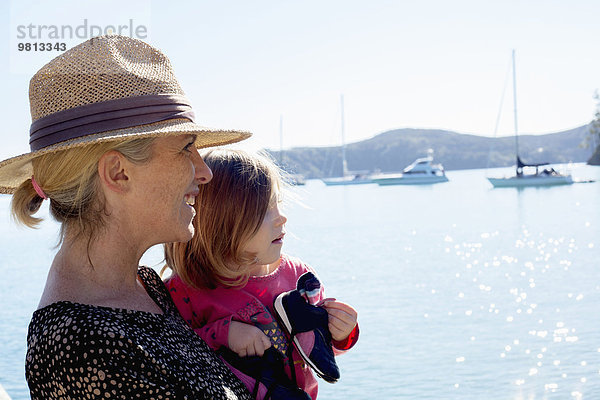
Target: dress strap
<point x="156" y="289"/>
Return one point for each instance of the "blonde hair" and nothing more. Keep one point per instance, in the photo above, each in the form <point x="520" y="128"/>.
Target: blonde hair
<point x="229" y="211"/>
<point x="69" y="178"/>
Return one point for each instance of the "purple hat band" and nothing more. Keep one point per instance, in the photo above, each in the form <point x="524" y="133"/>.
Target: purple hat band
<point x="107" y="116"/>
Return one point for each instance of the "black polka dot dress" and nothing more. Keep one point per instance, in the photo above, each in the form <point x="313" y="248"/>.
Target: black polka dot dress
<point x="79" y="351"/>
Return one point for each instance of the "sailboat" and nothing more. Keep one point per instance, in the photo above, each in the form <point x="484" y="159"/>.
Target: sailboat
<point x="348" y="178"/>
<point x="292" y="179"/>
<point x="546" y="177"/>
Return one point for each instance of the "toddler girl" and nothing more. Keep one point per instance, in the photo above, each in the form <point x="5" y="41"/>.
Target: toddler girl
<point x="226" y="279"/>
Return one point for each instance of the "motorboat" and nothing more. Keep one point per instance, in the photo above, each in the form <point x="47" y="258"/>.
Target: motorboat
<point x="422" y="171"/>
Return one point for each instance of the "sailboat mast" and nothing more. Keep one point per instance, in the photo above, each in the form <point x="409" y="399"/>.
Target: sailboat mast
<point x="344" y="163"/>
<point x="515" y="103"/>
<point x="281" y="140"/>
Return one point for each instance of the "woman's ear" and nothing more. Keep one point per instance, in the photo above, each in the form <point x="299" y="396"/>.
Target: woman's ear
<point x="112" y="171"/>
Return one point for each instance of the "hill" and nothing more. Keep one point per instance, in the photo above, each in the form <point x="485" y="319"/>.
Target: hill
<point x="391" y="151"/>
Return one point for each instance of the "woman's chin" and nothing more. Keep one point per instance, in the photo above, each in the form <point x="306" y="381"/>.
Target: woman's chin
<point x="184" y="235"/>
<point x="190" y="233"/>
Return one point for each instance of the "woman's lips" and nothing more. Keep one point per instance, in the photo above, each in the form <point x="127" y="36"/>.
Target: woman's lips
<point x="190" y="199"/>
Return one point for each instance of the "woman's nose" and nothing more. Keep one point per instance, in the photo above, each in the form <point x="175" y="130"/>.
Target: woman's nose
<point x="203" y="174"/>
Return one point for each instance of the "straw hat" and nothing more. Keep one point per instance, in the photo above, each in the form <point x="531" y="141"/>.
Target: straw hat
<point x="108" y="88"/>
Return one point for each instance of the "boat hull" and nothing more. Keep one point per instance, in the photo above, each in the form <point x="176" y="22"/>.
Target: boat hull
<point x="344" y="181"/>
<point x="296" y="180"/>
<point x="400" y="180"/>
<point x="533" y="180"/>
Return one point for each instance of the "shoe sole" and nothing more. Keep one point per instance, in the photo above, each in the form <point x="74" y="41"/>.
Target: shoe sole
<point x="282" y="316"/>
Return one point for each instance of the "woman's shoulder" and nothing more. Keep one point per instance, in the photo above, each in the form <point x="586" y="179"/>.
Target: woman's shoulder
<point x="76" y="320"/>
<point x="66" y="319"/>
<point x="72" y="344"/>
<point x="69" y="328"/>
<point x="64" y="313"/>
<point x="77" y="330"/>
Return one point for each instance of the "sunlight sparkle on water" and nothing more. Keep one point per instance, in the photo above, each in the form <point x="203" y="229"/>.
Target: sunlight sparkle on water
<point x="551" y="386"/>
<point x="520" y="291"/>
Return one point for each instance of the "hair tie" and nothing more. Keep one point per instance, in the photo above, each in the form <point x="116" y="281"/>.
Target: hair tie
<point x="38" y="189"/>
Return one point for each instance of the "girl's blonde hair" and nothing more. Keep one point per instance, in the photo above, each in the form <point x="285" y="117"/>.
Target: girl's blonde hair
<point x="229" y="211"/>
<point x="69" y="178"/>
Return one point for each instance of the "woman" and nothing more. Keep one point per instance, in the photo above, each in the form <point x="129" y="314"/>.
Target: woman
<point x="114" y="149"/>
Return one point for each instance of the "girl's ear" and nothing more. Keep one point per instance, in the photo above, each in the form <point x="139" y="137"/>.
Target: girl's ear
<point x="112" y="171"/>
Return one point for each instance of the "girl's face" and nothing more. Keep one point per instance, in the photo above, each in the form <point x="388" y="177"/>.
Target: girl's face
<point x="267" y="242"/>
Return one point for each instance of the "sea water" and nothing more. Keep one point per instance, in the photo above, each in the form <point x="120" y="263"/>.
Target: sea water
<point x="463" y="291"/>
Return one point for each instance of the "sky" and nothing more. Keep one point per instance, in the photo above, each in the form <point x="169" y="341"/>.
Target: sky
<point x="399" y="64"/>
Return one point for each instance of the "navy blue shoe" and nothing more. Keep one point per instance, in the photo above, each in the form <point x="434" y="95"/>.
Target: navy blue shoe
<point x="298" y="317"/>
<point x="309" y="287"/>
<point x="267" y="371"/>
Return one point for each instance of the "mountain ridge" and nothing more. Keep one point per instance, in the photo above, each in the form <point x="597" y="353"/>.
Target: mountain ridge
<point x="392" y="150"/>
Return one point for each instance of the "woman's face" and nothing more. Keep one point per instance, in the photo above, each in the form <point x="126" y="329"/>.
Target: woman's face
<point x="166" y="187"/>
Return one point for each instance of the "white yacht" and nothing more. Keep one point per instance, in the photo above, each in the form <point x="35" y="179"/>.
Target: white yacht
<point x="420" y="172"/>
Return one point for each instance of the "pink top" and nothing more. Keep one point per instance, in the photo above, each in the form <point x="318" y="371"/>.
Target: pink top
<point x="209" y="311"/>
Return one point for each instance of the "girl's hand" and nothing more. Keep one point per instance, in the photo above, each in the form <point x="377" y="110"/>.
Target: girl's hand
<point x="247" y="340"/>
<point x="342" y="319"/>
